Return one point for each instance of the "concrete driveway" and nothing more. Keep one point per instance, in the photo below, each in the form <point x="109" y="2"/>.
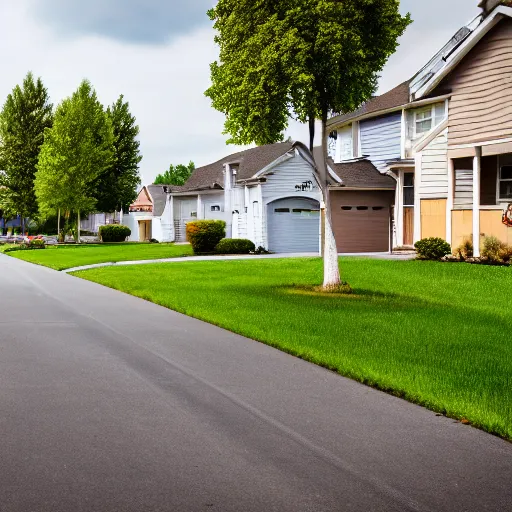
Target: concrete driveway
<point x="110" y="403"/>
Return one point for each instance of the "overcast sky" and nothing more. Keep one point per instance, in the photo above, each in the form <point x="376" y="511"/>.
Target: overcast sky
<point x="157" y="53"/>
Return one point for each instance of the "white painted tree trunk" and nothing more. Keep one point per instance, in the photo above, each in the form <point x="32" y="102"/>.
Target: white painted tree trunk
<point x="331" y="266"/>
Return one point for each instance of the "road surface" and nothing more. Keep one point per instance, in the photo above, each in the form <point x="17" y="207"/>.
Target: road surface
<point x="110" y="403"/>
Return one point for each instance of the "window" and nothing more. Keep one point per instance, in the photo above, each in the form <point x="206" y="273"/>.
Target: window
<point x="423" y="120"/>
<point x="505" y="182"/>
<point x="282" y="210"/>
<point x="215" y="208"/>
<point x="362" y="208"/>
<point x="193" y="214"/>
<point x="346" y="208"/>
<point x="408" y="188"/>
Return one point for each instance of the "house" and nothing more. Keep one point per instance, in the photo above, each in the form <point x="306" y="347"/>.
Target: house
<point x="268" y="194"/>
<point x="445" y="137"/>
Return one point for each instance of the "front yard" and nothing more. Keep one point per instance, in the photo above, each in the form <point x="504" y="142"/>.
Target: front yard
<point x="436" y="334"/>
<point x="69" y="256"/>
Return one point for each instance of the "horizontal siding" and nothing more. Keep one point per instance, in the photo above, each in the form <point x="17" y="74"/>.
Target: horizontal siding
<point x="481" y="103"/>
<point x="434" y="169"/>
<point x="381" y="139"/>
<point x="286" y="177"/>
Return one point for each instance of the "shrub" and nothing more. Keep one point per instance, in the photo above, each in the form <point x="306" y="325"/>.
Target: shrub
<point x="432" y="248"/>
<point x="114" y="233"/>
<point x="37" y="243"/>
<point x="235" y="246"/>
<point x="465" y="250"/>
<point x="493" y="249"/>
<point x="204" y="235"/>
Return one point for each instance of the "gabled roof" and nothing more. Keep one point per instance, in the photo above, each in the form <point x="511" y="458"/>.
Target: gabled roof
<point x="392" y="99"/>
<point x="361" y="173"/>
<point x="159" y="197"/>
<point x="248" y="163"/>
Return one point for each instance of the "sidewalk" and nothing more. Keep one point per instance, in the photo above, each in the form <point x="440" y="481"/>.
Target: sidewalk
<point x="378" y="255"/>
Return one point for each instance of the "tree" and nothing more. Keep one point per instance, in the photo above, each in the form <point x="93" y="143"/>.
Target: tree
<point x="26" y="114"/>
<point x="176" y="174"/>
<point x="116" y="187"/>
<point x="305" y="58"/>
<point x="76" y="150"/>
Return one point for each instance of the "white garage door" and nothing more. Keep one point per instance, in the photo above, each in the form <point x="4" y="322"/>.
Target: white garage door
<point x="293" y="225"/>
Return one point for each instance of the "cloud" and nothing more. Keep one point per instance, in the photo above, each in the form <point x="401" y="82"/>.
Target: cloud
<point x="141" y="21"/>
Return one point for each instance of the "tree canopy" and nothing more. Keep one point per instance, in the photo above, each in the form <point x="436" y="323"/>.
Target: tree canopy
<point x="176" y="174"/>
<point x="76" y="151"/>
<point x="116" y="187"/>
<point x="26" y="114"/>
<point x="300" y="58"/>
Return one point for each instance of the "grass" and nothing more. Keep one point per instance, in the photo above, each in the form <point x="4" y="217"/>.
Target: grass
<point x="439" y="335"/>
<point x="68" y="256"/>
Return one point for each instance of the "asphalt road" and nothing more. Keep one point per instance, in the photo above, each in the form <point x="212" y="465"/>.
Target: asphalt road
<point x="110" y="403"/>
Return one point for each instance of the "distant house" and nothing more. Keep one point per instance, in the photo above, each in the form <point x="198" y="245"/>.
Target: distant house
<point x="445" y="137"/>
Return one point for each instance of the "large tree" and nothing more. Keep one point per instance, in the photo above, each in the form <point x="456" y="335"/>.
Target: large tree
<point x="176" y="174"/>
<point x="116" y="187"/>
<point x="76" y="151"/>
<point x="26" y="114"/>
<point x="300" y="58"/>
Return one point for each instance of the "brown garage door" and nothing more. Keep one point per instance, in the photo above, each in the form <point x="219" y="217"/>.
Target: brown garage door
<point x="362" y="220"/>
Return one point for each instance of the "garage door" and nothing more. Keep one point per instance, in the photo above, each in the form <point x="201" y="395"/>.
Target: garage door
<point x="293" y="225"/>
<point x="362" y="220"/>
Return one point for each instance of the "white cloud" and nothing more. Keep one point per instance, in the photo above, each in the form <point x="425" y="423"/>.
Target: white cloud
<point x="165" y="83"/>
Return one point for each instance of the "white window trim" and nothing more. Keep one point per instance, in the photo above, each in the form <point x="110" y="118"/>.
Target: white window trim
<point x="500" y="180"/>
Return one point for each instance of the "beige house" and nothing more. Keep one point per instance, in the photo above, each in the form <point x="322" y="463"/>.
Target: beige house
<point x="445" y="136"/>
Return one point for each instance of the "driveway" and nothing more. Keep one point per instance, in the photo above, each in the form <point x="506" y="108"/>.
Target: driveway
<point x="110" y="403"/>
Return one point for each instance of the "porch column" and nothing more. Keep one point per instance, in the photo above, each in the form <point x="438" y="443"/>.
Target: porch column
<point x="200" y="214"/>
<point x="477" y="168"/>
<point x="418" y="161"/>
<point x="171" y="219"/>
<point x="449" y="200"/>
<point x="399" y="209"/>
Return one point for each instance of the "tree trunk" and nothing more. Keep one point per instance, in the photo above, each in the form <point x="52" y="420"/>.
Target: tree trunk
<point x="78" y="228"/>
<point x="311" y="132"/>
<point x="22" y="224"/>
<point x="58" y="224"/>
<point x="331" y="265"/>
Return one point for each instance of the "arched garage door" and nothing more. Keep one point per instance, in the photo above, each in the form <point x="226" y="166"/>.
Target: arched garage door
<point x="362" y="220"/>
<point x="293" y="225"/>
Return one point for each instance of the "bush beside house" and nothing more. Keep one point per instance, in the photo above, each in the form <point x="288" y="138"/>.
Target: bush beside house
<point x="235" y="246"/>
<point x="114" y="233"/>
<point x="432" y="248"/>
<point x="204" y="235"/>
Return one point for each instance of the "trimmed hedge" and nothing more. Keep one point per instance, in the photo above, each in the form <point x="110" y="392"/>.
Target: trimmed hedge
<point x="114" y="233"/>
<point x="235" y="246"/>
<point x="432" y="248"/>
<point x="204" y="235"/>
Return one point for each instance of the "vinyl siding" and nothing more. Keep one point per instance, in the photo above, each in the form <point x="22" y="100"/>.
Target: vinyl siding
<point x="481" y="104"/>
<point x="381" y="139"/>
<point x="434" y="169"/>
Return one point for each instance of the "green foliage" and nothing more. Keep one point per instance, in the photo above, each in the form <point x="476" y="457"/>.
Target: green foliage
<point x="493" y="249"/>
<point x="116" y="186"/>
<point x="301" y="57"/>
<point x="114" y="233"/>
<point x="176" y="174"/>
<point x="204" y="235"/>
<point x="26" y="114"/>
<point x="235" y="246"/>
<point x="432" y="248"/>
<point x="76" y="151"/>
<point x="32" y="245"/>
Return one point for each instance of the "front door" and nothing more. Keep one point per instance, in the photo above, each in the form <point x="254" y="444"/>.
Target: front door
<point x="144" y="230"/>
<point x="408" y="204"/>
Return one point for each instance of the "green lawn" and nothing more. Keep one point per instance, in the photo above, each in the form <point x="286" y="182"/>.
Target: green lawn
<point x="437" y="334"/>
<point x="69" y="256"/>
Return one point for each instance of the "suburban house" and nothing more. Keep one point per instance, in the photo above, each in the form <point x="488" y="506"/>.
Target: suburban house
<point x="444" y="137"/>
<point x="270" y="195"/>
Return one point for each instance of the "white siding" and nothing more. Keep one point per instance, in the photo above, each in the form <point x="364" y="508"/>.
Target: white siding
<point x="286" y="177"/>
<point x="434" y="169"/>
<point x="381" y="139"/>
<point x="463" y="197"/>
<point x="345" y="147"/>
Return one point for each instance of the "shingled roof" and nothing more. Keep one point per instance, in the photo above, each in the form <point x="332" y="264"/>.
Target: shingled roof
<point x="392" y="99"/>
<point x="159" y="199"/>
<point x="249" y="162"/>
<point x="361" y="174"/>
